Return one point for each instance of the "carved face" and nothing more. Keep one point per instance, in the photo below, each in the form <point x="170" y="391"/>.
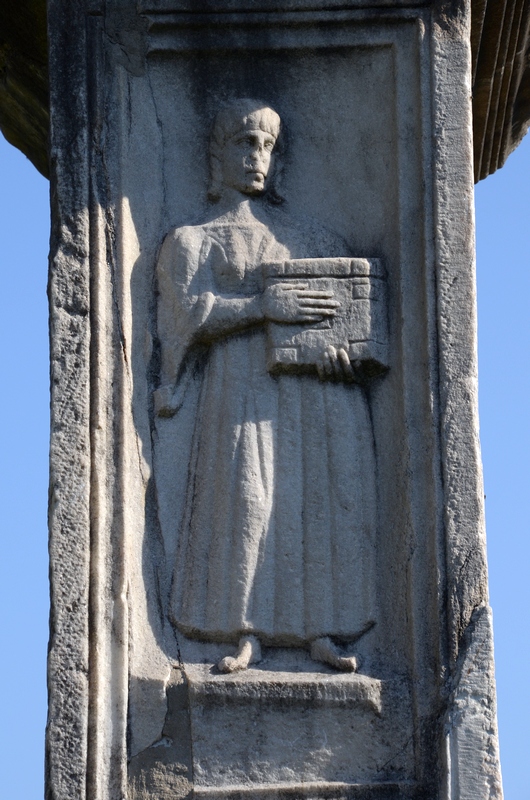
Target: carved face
<point x="246" y="160"/>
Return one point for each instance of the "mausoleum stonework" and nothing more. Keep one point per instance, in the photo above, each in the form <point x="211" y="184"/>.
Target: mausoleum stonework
<point x="267" y="542"/>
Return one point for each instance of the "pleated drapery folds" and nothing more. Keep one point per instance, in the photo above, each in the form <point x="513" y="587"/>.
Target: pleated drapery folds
<point x="277" y="528"/>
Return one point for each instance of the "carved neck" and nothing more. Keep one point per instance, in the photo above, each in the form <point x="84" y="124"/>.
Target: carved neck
<point x="239" y="205"/>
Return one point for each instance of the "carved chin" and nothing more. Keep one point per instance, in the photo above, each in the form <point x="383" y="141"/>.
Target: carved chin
<point x="255" y="185"/>
<point x="254" y="190"/>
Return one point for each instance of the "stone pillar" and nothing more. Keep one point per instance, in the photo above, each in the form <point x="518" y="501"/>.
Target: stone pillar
<point x="266" y="517"/>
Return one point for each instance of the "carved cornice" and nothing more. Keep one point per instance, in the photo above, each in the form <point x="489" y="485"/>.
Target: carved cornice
<point x="24" y="116"/>
<point x="500" y="40"/>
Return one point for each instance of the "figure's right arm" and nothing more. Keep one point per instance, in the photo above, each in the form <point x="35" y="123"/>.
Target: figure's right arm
<point x="287" y="303"/>
<point x="176" y="270"/>
<point x="189" y="300"/>
<point x="192" y="310"/>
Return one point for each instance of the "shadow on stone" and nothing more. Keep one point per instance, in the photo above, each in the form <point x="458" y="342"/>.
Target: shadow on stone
<point x="163" y="771"/>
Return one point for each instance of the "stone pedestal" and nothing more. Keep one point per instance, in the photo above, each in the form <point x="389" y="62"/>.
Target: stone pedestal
<point x="196" y="498"/>
<point x="270" y="733"/>
<point x="256" y="734"/>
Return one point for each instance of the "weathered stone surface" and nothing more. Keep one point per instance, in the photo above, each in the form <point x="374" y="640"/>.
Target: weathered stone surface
<point x="269" y="727"/>
<point x="266" y="582"/>
<point x="164" y="770"/>
<point x="472" y="723"/>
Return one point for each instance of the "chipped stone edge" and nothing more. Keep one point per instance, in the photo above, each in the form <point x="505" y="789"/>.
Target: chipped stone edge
<point x="87" y="663"/>
<point x="70" y="468"/>
<point x="472" y="767"/>
<point x="471" y="730"/>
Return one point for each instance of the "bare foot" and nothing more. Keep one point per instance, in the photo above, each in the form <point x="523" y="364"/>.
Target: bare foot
<point x="248" y="652"/>
<point x="324" y="650"/>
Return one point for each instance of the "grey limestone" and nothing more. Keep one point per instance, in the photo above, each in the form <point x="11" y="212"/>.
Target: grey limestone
<point x="267" y="539"/>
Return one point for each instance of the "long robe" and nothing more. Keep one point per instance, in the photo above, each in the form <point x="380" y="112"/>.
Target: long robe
<point x="277" y="526"/>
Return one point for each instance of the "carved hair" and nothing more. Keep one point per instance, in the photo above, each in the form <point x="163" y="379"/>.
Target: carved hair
<point x="235" y="116"/>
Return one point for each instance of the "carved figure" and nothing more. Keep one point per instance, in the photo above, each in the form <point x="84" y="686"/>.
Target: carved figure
<point x="276" y="538"/>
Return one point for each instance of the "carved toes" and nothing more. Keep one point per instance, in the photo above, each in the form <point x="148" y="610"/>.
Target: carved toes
<point x="326" y="651"/>
<point x="347" y="663"/>
<point x="230" y="664"/>
<point x="249" y="652"/>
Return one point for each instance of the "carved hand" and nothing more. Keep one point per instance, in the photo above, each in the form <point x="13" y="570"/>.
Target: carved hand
<point x="296" y="303"/>
<point x="335" y="365"/>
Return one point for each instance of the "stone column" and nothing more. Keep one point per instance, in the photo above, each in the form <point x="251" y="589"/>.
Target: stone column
<point x="266" y="518"/>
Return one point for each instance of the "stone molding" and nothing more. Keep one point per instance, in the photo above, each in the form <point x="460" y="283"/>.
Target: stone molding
<point x="500" y="40"/>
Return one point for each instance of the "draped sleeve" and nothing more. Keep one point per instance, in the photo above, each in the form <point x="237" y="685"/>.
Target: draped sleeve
<point x="186" y="294"/>
<point x="202" y="297"/>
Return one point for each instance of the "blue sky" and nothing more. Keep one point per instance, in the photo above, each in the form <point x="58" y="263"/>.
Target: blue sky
<point x="503" y="266"/>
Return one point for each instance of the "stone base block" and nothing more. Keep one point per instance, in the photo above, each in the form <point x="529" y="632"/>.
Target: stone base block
<point x="269" y="734"/>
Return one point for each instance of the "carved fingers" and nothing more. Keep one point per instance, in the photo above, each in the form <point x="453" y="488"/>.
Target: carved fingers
<point x="296" y="303"/>
<point x="335" y="365"/>
<point x="314" y="304"/>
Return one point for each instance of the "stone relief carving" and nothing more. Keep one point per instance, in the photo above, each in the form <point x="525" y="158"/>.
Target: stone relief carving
<point x="277" y="328"/>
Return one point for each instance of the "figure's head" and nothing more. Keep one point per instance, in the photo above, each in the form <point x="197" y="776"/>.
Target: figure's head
<point x="242" y="147"/>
